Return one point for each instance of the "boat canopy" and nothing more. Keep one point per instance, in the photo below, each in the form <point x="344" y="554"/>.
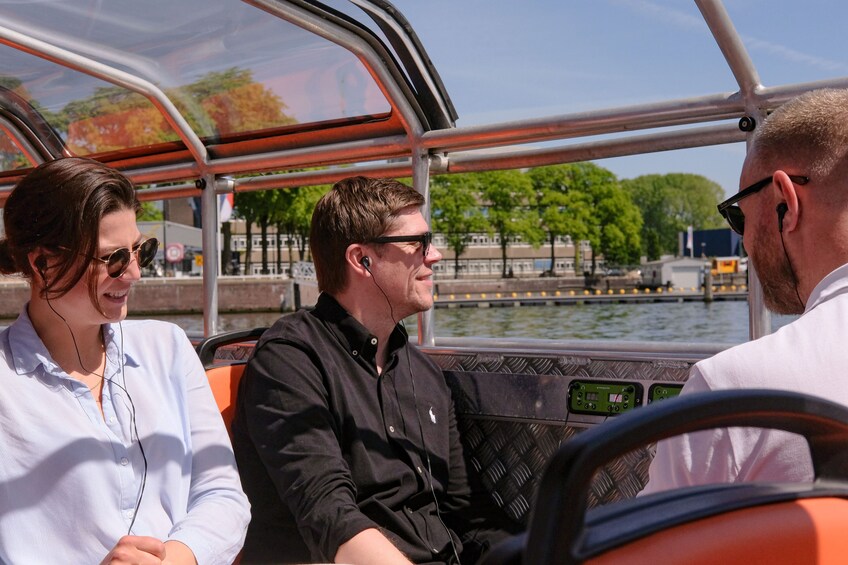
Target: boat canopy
<point x="204" y="97"/>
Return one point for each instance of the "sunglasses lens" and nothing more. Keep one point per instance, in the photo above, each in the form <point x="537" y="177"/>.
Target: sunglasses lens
<point x="120" y="259"/>
<point x="736" y="219"/>
<point x="147" y="251"/>
<point x="118" y="262"/>
<point x="428" y="239"/>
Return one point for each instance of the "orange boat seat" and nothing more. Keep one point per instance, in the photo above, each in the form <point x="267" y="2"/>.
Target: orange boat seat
<point x="224" y="381"/>
<point x="224" y="373"/>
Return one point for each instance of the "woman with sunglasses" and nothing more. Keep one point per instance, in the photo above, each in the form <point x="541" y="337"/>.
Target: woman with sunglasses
<point x="112" y="446"/>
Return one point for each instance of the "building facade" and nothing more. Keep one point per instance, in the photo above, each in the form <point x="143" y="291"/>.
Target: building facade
<point x="481" y="259"/>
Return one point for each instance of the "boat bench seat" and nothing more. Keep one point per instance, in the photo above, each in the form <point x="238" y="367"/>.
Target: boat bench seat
<point x="507" y="440"/>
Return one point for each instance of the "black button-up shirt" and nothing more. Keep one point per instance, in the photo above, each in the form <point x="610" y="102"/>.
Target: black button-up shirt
<point x="343" y="448"/>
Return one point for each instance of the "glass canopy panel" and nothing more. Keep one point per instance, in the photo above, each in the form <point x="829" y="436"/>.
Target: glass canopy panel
<point x="503" y="60"/>
<point x="11" y="157"/>
<point x="230" y="68"/>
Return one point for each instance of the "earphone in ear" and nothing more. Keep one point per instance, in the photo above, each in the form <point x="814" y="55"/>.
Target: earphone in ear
<point x="366" y="262"/>
<point x="41" y="265"/>
<point x="781" y="209"/>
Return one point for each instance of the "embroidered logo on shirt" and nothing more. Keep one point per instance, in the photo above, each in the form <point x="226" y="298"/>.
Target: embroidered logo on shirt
<point x="432" y="415"/>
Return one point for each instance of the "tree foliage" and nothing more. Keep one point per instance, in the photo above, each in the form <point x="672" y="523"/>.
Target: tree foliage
<point x="669" y="204"/>
<point x="150" y="212"/>
<point x="258" y="207"/>
<point x="218" y="103"/>
<point x="294" y="216"/>
<point x="564" y="209"/>
<point x="508" y="200"/>
<point x="456" y="211"/>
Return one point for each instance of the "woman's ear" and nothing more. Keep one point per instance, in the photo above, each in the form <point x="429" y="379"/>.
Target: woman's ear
<point x="38" y="264"/>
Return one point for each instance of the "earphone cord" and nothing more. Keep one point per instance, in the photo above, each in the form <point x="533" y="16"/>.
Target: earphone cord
<point x="792" y="270"/>
<point x="420" y="426"/>
<point x="103" y="379"/>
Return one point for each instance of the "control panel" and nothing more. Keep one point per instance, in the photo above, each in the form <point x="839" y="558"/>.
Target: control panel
<point x="603" y="398"/>
<point x="661" y="391"/>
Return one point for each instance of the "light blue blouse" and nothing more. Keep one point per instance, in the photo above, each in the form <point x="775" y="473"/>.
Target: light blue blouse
<point x="70" y="478"/>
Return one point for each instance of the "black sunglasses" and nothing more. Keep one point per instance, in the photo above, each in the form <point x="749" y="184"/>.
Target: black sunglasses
<point x="425" y="239"/>
<point x="118" y="261"/>
<point x="730" y="210"/>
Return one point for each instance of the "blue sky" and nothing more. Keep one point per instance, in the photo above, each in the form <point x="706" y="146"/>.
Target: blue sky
<point x="505" y="60"/>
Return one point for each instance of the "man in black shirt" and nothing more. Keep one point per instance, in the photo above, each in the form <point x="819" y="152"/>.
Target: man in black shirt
<point x="345" y="434"/>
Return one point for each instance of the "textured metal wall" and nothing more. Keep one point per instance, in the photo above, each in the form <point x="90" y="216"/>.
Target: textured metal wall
<point x="512" y="414"/>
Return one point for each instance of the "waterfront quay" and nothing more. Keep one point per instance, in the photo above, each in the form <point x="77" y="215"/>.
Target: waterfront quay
<point x="586" y="296"/>
<point x="182" y="295"/>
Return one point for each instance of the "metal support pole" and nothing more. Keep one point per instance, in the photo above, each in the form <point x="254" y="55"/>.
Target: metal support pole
<point x="421" y="182"/>
<point x="209" y="238"/>
<point x="759" y="318"/>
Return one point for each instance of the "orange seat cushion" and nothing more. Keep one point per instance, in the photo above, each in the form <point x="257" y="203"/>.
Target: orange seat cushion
<point x="224" y="381"/>
<point x="803" y="531"/>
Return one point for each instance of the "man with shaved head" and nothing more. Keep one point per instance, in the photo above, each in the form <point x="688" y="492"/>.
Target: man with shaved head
<point x="793" y="214"/>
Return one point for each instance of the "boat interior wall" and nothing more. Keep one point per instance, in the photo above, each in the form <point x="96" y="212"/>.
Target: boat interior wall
<point x="514" y="409"/>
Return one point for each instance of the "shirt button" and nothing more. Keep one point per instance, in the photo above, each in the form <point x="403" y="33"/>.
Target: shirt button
<point x="130" y="513"/>
<point x="124" y="461"/>
<point x="392" y="429"/>
<point x="111" y="419"/>
<point x="373" y="341"/>
<point x="355" y="352"/>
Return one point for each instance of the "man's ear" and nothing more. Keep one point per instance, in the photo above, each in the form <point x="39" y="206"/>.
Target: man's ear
<point x="355" y="257"/>
<point x="789" y="206"/>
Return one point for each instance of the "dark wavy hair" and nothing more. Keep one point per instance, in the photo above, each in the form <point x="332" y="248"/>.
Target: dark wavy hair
<point x="57" y="209"/>
<point x="356" y="210"/>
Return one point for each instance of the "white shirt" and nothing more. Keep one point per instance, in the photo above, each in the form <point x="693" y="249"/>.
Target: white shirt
<point x="70" y="477"/>
<point x="810" y="355"/>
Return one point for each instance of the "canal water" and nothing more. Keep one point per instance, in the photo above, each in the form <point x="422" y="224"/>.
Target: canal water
<point x="717" y="322"/>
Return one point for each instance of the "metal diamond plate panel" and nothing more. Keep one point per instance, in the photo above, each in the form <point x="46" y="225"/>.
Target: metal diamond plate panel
<point x="506" y="407"/>
<point x="510" y="458"/>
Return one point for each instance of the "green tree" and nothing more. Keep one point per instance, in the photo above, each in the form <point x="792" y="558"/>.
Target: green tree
<point x="564" y="209"/>
<point x="669" y="204"/>
<point x="150" y="212"/>
<point x="509" y="201"/>
<point x="294" y="217"/>
<point x="615" y="223"/>
<point x="456" y="211"/>
<point x="257" y="207"/>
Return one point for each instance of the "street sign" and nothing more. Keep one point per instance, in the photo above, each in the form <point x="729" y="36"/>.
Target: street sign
<point x="174" y="252"/>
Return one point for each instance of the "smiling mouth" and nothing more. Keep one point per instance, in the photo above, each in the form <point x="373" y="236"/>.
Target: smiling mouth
<point x="117" y="295"/>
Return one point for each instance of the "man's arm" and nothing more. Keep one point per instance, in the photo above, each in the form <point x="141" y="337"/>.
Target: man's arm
<point x="372" y="547"/>
<point x="457" y="490"/>
<point x="290" y="420"/>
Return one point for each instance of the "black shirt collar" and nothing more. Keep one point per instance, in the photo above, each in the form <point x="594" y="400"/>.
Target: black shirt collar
<point x="355" y="337"/>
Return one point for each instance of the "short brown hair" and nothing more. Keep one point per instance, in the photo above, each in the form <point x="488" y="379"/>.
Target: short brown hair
<point x="58" y="207"/>
<point x="356" y="210"/>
